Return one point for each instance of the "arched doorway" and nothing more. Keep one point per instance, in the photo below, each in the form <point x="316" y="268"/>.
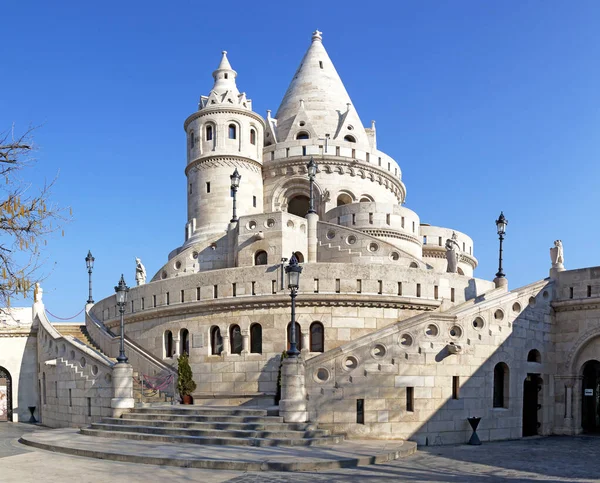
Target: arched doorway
<point x="590" y="399"/>
<point x="298" y="205"/>
<point x="531" y="388"/>
<point x="5" y="395"/>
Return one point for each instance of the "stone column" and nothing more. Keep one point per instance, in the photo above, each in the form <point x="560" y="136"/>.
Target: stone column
<point x="312" y="219"/>
<point x="176" y="347"/>
<point x="245" y="341"/>
<point x="122" y="381"/>
<point x="226" y="346"/>
<point x="292" y="406"/>
<point x="305" y="341"/>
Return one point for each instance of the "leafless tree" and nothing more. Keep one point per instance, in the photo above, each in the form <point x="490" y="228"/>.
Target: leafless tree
<point x="27" y="217"/>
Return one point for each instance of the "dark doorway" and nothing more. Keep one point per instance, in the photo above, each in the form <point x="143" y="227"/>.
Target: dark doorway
<point x="298" y="205"/>
<point x="531" y="388"/>
<point x="5" y="395"/>
<point x="590" y="419"/>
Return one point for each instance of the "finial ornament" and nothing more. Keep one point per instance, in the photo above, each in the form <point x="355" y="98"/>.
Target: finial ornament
<point x="317" y="35"/>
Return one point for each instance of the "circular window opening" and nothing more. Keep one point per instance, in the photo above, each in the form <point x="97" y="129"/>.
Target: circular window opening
<point x="545" y="294"/>
<point x="163" y="275"/>
<point x="195" y="255"/>
<point x="516" y="307"/>
<point x="432" y="330"/>
<point x="406" y="340"/>
<point x="350" y="363"/>
<point x="499" y="315"/>
<point x="251" y="225"/>
<point x="82" y="361"/>
<point x="395" y="256"/>
<point x="413" y="265"/>
<point x="378" y="351"/>
<point x="290" y="224"/>
<point x="532" y="301"/>
<point x="322" y="374"/>
<point x="270" y="223"/>
<point x="177" y="265"/>
<point x="478" y="323"/>
<point x="301" y="124"/>
<point x="351" y="240"/>
<point x="330" y="235"/>
<point x="373" y="247"/>
<point x="350" y="127"/>
<point x="455" y="331"/>
<point x="94" y="370"/>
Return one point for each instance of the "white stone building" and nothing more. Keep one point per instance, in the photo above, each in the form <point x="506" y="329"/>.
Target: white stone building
<point x="398" y="338"/>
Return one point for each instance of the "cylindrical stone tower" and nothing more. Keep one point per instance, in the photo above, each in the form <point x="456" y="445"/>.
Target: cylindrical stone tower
<point x="223" y="135"/>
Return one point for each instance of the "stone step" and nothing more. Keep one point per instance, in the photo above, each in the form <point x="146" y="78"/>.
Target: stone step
<point x="165" y="416"/>
<point x="205" y="411"/>
<point x="213" y="433"/>
<point x="258" y="426"/>
<point x="332" y="439"/>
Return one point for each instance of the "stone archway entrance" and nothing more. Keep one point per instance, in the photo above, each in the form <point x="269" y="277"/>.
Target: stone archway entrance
<point x="298" y="205"/>
<point x="590" y="397"/>
<point x="5" y="395"/>
<point x="531" y="388"/>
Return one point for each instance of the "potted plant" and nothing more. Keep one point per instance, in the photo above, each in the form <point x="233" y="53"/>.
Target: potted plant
<point x="185" y="381"/>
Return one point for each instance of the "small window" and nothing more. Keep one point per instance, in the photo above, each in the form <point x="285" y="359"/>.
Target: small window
<point x="197" y="293"/>
<point x="455" y="386"/>
<point x="260" y="258"/>
<point x="402" y="222"/>
<point x="302" y="135"/>
<point x="232" y="131"/>
<point x="349" y="138"/>
<point x="303" y="150"/>
<point x="209" y="133"/>
<point x="190" y="188"/>
<point x="253" y="288"/>
<point x="570" y="292"/>
<point x="435" y="292"/>
<point x="184" y="341"/>
<point x="399" y="288"/>
<point x="410" y="399"/>
<point x="321" y="64"/>
<point x="379" y="287"/>
<point x="235" y="339"/>
<point x="337" y="285"/>
<point x="168" y="344"/>
<point x="534" y="356"/>
<point x="215" y="291"/>
<point x="316" y="285"/>
<point x="418" y="290"/>
<point x="226" y="76"/>
<point x="273" y="286"/>
<point x="451" y="295"/>
<point x="387" y="219"/>
<point x="317" y="337"/>
<point x="501" y="385"/>
<point x="208" y="186"/>
<point x="234" y="289"/>
<point x="360" y="411"/>
<point x="192" y="140"/>
<point x="252" y="136"/>
<point x="589" y="290"/>
<point x="359" y="286"/>
<point x="254" y="201"/>
<point x="182" y="296"/>
<point x="256" y="339"/>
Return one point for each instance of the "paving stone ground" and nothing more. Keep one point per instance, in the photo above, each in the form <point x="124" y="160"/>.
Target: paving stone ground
<point x="553" y="459"/>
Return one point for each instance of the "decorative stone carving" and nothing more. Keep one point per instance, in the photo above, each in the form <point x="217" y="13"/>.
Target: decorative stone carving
<point x="37" y="292"/>
<point x="140" y="272"/>
<point x="556" y="255"/>
<point x="452" y="253"/>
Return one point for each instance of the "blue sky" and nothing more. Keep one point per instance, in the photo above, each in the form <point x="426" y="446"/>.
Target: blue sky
<point x="486" y="106"/>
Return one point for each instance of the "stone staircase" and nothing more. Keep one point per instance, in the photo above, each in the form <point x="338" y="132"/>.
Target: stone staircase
<point x="79" y="332"/>
<point x="211" y="426"/>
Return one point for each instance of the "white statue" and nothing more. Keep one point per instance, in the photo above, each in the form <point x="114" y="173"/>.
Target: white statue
<point x="556" y="255"/>
<point x="452" y="253"/>
<point x="37" y="292"/>
<point x="140" y="272"/>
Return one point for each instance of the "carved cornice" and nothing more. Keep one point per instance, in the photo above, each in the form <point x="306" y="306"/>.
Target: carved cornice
<point x="18" y="332"/>
<point x="377" y="232"/>
<point x="252" y="302"/>
<point x="590" y="303"/>
<point x="223" y="160"/>
<point x="218" y="109"/>
<point x="440" y="252"/>
<point x="349" y="166"/>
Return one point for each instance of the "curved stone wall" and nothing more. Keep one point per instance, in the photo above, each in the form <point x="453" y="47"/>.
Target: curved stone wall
<point x="434" y="251"/>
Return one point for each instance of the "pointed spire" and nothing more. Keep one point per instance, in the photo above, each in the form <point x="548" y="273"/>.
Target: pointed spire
<point x="225" y="90"/>
<point x="224" y="65"/>
<point x="318" y="90"/>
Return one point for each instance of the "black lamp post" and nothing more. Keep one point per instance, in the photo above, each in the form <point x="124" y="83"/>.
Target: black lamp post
<point x="293" y="271"/>
<point x="121" y="291"/>
<point x="501" y="223"/>
<point x="312" y="172"/>
<point x="235" y="183"/>
<point x="89" y="263"/>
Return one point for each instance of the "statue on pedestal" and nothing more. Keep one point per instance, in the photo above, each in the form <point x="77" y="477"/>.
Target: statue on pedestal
<point x="556" y="255"/>
<point x="452" y="253"/>
<point x="37" y="292"/>
<point x="140" y="272"/>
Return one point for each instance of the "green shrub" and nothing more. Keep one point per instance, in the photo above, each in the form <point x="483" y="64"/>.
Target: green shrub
<point x="185" y="380"/>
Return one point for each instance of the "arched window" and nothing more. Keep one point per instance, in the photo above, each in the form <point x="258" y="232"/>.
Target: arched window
<point x="299" y="257"/>
<point x="232" y="131"/>
<point x="364" y="199"/>
<point x="460" y="271"/>
<point x="260" y="258"/>
<point x="235" y="339"/>
<point x="168" y="343"/>
<point x="256" y="339"/>
<point x="252" y="136"/>
<point x="302" y="135"/>
<point x="350" y="139"/>
<point x="184" y="341"/>
<point x="6" y="390"/>
<point x="317" y="337"/>
<point x="216" y="341"/>
<point x="192" y="139"/>
<point x="209" y="133"/>
<point x="534" y="356"/>
<point x="298" y="336"/>
<point x="344" y="199"/>
<point x="501" y="385"/>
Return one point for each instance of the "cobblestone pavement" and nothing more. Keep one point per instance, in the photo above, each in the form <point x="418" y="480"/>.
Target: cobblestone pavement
<point x="554" y="459"/>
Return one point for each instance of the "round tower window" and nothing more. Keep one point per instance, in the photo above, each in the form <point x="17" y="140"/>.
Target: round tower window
<point x="251" y="225"/>
<point x="351" y="240"/>
<point x="455" y="331"/>
<point x="395" y="256"/>
<point x="406" y="340"/>
<point x="330" y="234"/>
<point x="322" y="375"/>
<point x="94" y="370"/>
<point x="177" y="265"/>
<point x="163" y="275"/>
<point x="478" y="323"/>
<point x="350" y="127"/>
<point x="373" y="247"/>
<point x="270" y="223"/>
<point x="378" y="351"/>
<point x="350" y="363"/>
<point x="195" y="255"/>
<point x="432" y="330"/>
<point x="301" y="124"/>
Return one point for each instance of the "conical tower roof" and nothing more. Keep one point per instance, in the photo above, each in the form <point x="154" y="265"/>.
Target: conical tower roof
<point x="225" y="90"/>
<point x="318" y="96"/>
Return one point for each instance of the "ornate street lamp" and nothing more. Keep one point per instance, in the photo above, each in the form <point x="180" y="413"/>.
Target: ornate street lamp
<point x="312" y="172"/>
<point x="293" y="271"/>
<point x="235" y="183"/>
<point x="89" y="263"/>
<point x="121" y="291"/>
<point x="501" y="223"/>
